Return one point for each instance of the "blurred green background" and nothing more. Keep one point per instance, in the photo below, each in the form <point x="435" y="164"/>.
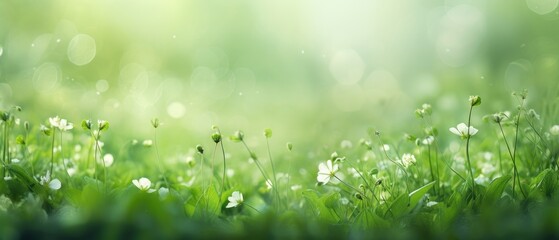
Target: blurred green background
<point x="313" y="71"/>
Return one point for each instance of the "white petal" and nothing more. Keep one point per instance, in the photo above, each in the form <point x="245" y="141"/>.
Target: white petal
<point x="136" y="183"/>
<point x="472" y="131"/>
<point x="55" y="184"/>
<point x="231" y="205"/>
<point x="329" y="165"/>
<point x="322" y="168"/>
<point x="323" y="178"/>
<point x="455" y="131"/>
<point x="144" y="183"/>
<point x="462" y="127"/>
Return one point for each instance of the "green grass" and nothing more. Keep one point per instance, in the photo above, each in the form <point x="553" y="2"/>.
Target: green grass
<point x="499" y="182"/>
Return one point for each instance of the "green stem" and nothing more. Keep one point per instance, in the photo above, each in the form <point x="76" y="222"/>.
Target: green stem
<point x="468" y="136"/>
<point x="274" y="177"/>
<point x="158" y="160"/>
<point x="52" y="153"/>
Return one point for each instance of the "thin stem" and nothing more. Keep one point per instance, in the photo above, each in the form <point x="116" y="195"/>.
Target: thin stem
<point x="515" y="172"/>
<point x="255" y="160"/>
<point x="276" y="186"/>
<point x="352" y="187"/>
<point x="224" y="171"/>
<point x="515" y="146"/>
<point x="468" y="151"/>
<point x="52" y="154"/>
<point x="157" y="156"/>
<point x="253" y="208"/>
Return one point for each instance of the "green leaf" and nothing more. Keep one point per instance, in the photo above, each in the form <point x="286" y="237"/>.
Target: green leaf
<point x="416" y="195"/>
<point x="399" y="206"/>
<point x="319" y="208"/>
<point x="495" y="190"/>
<point x="368" y="218"/>
<point x="21" y="175"/>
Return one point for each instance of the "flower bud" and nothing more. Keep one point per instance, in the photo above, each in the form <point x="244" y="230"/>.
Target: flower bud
<point x="86" y="124"/>
<point x="475" y="100"/>
<point x="102" y="125"/>
<point x="155" y="122"/>
<point x="216" y="137"/>
<point x="268" y="133"/>
<point x="289" y="146"/>
<point x="200" y="149"/>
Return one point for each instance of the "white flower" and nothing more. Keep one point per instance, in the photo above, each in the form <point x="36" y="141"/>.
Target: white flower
<point x="346" y="144"/>
<point x="554" y="130"/>
<point x="463" y="131"/>
<point x="235" y="200"/>
<point x="147" y="143"/>
<point x="163" y="192"/>
<point x="54" y="121"/>
<point x="64" y="125"/>
<point x="326" y="171"/>
<point x="482" y="179"/>
<point x="53" y="184"/>
<point x="108" y="160"/>
<point x="428" y="140"/>
<point x="385" y="147"/>
<point x="408" y="160"/>
<point x="143" y="184"/>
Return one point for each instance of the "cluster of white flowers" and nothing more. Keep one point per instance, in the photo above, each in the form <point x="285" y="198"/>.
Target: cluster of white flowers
<point x="408" y="160"/>
<point x="60" y="123"/>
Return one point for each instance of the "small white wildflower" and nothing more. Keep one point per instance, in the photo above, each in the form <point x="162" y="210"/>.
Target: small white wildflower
<point x="108" y="160"/>
<point x="463" y="130"/>
<point x="408" y="160"/>
<point x="64" y="125"/>
<point x="344" y="201"/>
<point x="554" y="130"/>
<point x="230" y="172"/>
<point x="487" y="168"/>
<point x="326" y="171"/>
<point x="143" y="184"/>
<point x="346" y="144"/>
<point x="385" y="147"/>
<point x="147" y="143"/>
<point x="428" y="140"/>
<point x="53" y="184"/>
<point x="235" y="200"/>
<point x="481" y="179"/>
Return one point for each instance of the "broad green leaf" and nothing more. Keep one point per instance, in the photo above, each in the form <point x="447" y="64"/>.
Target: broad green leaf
<point x="495" y="189"/>
<point x="319" y="208"/>
<point x="399" y="206"/>
<point x="368" y="218"/>
<point x="416" y="195"/>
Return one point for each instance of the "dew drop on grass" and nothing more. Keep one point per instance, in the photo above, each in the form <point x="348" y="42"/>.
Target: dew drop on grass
<point x="81" y="50"/>
<point x="47" y="77"/>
